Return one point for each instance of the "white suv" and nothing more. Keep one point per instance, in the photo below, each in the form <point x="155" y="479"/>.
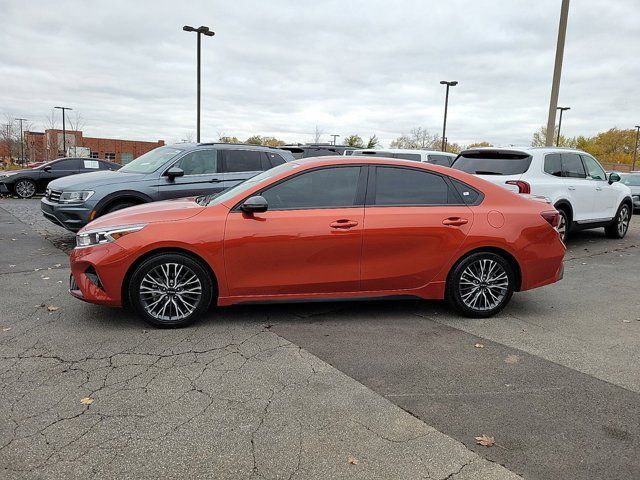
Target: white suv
<point x="427" y="156"/>
<point x="574" y="182"/>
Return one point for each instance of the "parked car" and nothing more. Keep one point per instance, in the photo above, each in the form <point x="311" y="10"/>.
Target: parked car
<point x="28" y="182"/>
<point x="428" y="156"/>
<point x="317" y="150"/>
<point x="574" y="182"/>
<point x="180" y="170"/>
<point x="632" y="180"/>
<point x="298" y="232"/>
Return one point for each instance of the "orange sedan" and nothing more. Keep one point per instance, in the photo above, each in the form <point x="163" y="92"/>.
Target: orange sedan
<point x="324" y="228"/>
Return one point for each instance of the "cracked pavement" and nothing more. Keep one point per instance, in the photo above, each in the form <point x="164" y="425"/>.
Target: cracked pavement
<point x="226" y="398"/>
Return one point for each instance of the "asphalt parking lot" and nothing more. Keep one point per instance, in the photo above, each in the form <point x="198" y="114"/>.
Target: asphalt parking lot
<point x="312" y="391"/>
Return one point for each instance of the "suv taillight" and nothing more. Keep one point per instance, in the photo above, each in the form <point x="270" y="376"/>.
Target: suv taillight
<point x="552" y="217"/>
<point x="523" y="187"/>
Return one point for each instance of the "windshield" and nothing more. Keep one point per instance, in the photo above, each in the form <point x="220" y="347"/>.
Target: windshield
<point x="493" y="163"/>
<point x="216" y="198"/>
<point x="151" y="161"/>
<point x="631" y="180"/>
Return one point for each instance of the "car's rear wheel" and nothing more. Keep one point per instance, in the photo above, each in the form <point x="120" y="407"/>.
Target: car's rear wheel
<point x="170" y="290"/>
<point x="25" y="188"/>
<point x="563" y="225"/>
<point x="618" y="228"/>
<point x="481" y="284"/>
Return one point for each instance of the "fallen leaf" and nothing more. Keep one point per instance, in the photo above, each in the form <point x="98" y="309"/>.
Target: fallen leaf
<point x="353" y="460"/>
<point x="626" y="321"/>
<point x="57" y="265"/>
<point x="45" y="278"/>
<point x="485" y="440"/>
<point x="86" y="401"/>
<point x="6" y="329"/>
<point x="479" y="345"/>
<point x="51" y="308"/>
<point x="11" y="266"/>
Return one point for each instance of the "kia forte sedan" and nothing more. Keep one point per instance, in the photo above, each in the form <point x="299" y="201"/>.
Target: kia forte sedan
<point x="316" y="229"/>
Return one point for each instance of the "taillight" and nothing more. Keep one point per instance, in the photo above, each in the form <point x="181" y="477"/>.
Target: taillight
<point x="523" y="187"/>
<point x="552" y="217"/>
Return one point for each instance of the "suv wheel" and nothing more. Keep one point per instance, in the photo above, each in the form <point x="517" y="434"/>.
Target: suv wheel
<point x="25" y="188"/>
<point x="620" y="225"/>
<point x="563" y="225"/>
<point x="119" y="206"/>
<point x="480" y="285"/>
<point x="170" y="290"/>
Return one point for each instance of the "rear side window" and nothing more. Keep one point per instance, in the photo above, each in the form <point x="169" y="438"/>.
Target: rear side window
<point x="553" y="164"/>
<point x="572" y="166"/>
<point x="493" y="163"/>
<point x="242" y="161"/>
<point x="275" y="159"/>
<point x="68" y="164"/>
<point x="443" y="160"/>
<point x="408" y="156"/>
<point x="407" y="186"/>
<point x="469" y="195"/>
<point x="319" y="152"/>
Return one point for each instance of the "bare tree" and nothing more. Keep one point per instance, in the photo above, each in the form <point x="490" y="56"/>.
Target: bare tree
<point x="317" y="135"/>
<point x="50" y="121"/>
<point x="76" y="124"/>
<point x="418" y="139"/>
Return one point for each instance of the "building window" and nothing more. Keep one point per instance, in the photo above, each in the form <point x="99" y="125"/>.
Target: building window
<point x="109" y="156"/>
<point x="94" y="155"/>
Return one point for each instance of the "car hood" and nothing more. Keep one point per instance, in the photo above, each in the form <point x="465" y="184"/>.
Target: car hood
<point x="88" y="181"/>
<point x="154" y="212"/>
<point x="14" y="172"/>
<point x="635" y="190"/>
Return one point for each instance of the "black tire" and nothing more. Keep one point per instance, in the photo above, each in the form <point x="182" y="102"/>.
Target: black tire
<point x="459" y="288"/>
<point x="177" y="298"/>
<point x="565" y="220"/>
<point x="25" y="188"/>
<point x="620" y="225"/>
<point x="118" y="206"/>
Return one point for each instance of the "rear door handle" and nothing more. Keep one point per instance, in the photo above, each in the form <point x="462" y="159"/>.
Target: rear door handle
<point x="343" y="224"/>
<point x="215" y="180"/>
<point x="455" y="221"/>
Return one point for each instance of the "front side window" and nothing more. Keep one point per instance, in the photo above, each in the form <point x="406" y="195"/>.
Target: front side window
<point x="594" y="170"/>
<point x="553" y="164"/>
<point x="405" y="186"/>
<point x="323" y="188"/>
<point x="151" y="161"/>
<point x="243" y="161"/>
<point x="572" y="166"/>
<point x="200" y="162"/>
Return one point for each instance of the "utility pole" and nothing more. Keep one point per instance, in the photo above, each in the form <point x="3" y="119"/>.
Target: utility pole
<point x="200" y="31"/>
<point x="562" y="109"/>
<point x="557" y="71"/>
<point x="8" y="125"/>
<point x="334" y="138"/>
<point x="635" y="152"/>
<point x="64" y="133"/>
<point x="446" y="105"/>
<point x="21" y="141"/>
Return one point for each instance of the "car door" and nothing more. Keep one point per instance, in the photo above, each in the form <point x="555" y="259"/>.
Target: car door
<point x="581" y="191"/>
<point x="57" y="169"/>
<point x="201" y="176"/>
<point x="605" y="196"/>
<point x="241" y="164"/>
<point x="308" y="241"/>
<point x="415" y="221"/>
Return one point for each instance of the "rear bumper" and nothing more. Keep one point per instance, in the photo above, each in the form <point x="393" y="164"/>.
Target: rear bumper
<point x="71" y="217"/>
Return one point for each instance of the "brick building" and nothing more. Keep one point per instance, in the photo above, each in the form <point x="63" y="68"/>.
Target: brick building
<point x="48" y="145"/>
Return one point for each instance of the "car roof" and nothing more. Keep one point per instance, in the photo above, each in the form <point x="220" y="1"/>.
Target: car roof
<point x="241" y="146"/>
<point x="404" y="150"/>
<point x="357" y="160"/>
<point x="522" y="149"/>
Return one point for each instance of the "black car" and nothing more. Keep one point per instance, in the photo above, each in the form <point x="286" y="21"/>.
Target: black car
<point x="317" y="150"/>
<point x="26" y="183"/>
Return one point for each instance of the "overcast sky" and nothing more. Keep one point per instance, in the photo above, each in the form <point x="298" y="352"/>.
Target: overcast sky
<point x="282" y="67"/>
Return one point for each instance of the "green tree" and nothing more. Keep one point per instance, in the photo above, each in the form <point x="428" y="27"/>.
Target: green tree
<point x="354" y="141"/>
<point x="272" y="142"/>
<point x="254" y="140"/>
<point x="373" y="141"/>
<point x="540" y="139"/>
<point x="479" y="144"/>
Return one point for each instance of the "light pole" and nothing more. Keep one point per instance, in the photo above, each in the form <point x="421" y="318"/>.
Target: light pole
<point x="562" y="109"/>
<point x="21" y="141"/>
<point x="446" y="106"/>
<point x="64" y="133"/>
<point x="635" y="152"/>
<point x="200" y="31"/>
<point x="334" y="138"/>
<point x="557" y="71"/>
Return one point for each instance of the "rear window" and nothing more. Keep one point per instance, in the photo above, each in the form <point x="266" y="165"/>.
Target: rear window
<point x="444" y="160"/>
<point x="493" y="163"/>
<point x="408" y="156"/>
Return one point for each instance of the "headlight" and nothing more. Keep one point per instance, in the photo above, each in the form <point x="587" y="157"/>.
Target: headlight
<point x="75" y="197"/>
<point x="105" y="235"/>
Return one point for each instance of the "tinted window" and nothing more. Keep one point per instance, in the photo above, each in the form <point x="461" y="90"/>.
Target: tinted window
<point x="69" y="164"/>
<point x="594" y="169"/>
<point x="275" y="159"/>
<point x="374" y="153"/>
<point x="327" y="187"/>
<point x="243" y="161"/>
<point x="408" y="156"/>
<point x="572" y="166"/>
<point x="200" y="162"/>
<point x="493" y="163"/>
<point x="404" y="186"/>
<point x="553" y="164"/>
<point x="319" y="152"/>
<point x="470" y="195"/>
<point x="296" y="152"/>
<point x="443" y="160"/>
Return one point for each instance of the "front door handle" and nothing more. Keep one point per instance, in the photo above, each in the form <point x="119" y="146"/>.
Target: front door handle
<point x="455" y="221"/>
<point x="343" y="224"/>
<point x="599" y="189"/>
<point x="572" y="188"/>
<point x="215" y="180"/>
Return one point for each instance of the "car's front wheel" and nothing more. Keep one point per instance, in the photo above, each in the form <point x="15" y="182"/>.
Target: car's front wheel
<point x="25" y="188"/>
<point x="170" y="290"/>
<point x="480" y="285"/>
<point x="618" y="228"/>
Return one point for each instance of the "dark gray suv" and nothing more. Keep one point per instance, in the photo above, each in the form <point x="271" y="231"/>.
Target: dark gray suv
<point x="174" y="171"/>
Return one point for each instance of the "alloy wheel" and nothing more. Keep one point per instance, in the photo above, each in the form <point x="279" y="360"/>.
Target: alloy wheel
<point x="623" y="221"/>
<point x="170" y="292"/>
<point x="562" y="226"/>
<point x="25" y="189"/>
<point x="483" y="285"/>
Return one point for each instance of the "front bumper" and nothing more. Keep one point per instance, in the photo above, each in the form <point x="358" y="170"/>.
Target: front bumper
<point x="636" y="202"/>
<point x="70" y="216"/>
<point x="4" y="190"/>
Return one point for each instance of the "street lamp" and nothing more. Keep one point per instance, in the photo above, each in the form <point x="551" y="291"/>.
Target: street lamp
<point x="562" y="109"/>
<point x="334" y="138"/>
<point x="200" y="31"/>
<point x="21" y="141"/>
<point x="446" y="105"/>
<point x="64" y="132"/>
<point x="635" y="152"/>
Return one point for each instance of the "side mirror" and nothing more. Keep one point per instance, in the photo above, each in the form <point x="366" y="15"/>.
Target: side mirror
<point x="46" y="169"/>
<point x="255" y="204"/>
<point x="613" y="177"/>
<point x="174" y="172"/>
